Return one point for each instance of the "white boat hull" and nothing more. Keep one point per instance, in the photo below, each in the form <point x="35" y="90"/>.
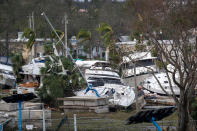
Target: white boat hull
<point x="122" y="96"/>
<point x="152" y="85"/>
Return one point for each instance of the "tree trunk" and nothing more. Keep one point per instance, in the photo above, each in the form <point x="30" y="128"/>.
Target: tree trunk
<point x="91" y="52"/>
<point x="100" y="51"/>
<point x="183" y="116"/>
<point x="77" y="52"/>
<point x="107" y="54"/>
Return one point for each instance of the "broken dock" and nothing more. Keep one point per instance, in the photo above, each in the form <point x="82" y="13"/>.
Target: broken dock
<point x="85" y="104"/>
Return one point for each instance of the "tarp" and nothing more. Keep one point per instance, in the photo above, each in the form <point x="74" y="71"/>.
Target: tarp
<point x="19" y="97"/>
<point x="147" y="115"/>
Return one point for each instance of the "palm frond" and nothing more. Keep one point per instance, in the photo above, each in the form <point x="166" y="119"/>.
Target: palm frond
<point x="84" y="34"/>
<point x="103" y="28"/>
<point x="31" y="35"/>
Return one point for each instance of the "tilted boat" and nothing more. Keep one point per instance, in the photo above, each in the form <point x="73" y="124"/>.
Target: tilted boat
<point x="7" y="77"/>
<point x="152" y="85"/>
<point x="105" y="82"/>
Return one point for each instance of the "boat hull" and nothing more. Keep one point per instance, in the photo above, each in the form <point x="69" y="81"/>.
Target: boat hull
<point x="121" y="96"/>
<point x="7" y="81"/>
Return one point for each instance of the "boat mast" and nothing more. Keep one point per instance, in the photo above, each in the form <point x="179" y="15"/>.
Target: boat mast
<point x="43" y="14"/>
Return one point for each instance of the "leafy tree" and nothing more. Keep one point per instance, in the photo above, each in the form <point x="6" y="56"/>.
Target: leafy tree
<point x="112" y="51"/>
<point x="85" y="36"/>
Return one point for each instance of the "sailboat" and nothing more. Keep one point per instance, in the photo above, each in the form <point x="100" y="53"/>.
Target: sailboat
<point x="105" y="82"/>
<point x="152" y="85"/>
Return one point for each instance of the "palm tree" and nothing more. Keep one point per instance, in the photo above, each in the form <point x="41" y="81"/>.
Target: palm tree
<point x="107" y="35"/>
<point x="31" y="35"/>
<point x="86" y="36"/>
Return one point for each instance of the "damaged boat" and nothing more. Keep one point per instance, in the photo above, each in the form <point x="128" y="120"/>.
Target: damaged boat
<point x="7" y="77"/>
<point x="105" y="82"/>
<point x="153" y="86"/>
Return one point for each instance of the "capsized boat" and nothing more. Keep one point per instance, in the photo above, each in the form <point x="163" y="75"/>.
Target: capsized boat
<point x="34" y="66"/>
<point x="152" y="85"/>
<point x="105" y="82"/>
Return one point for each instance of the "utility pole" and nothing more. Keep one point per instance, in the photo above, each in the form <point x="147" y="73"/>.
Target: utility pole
<point x="32" y="21"/>
<point x="66" y="45"/>
<point x="137" y="106"/>
<point x="75" y="122"/>
<point x="43" y="118"/>
<point x="33" y="28"/>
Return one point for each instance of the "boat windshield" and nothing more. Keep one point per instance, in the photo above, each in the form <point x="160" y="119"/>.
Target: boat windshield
<point x="141" y="63"/>
<point x="106" y="80"/>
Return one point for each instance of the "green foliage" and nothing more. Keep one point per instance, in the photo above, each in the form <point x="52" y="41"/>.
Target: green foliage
<point x="132" y="37"/>
<point x="140" y="47"/>
<point x="114" y="59"/>
<point x="148" y="43"/>
<point x="82" y="57"/>
<point x="48" y="48"/>
<point x="194" y="109"/>
<point x="18" y="61"/>
<point x="160" y="64"/>
<point x="56" y="84"/>
<point x="107" y="33"/>
<point x="60" y="34"/>
<point x="85" y="36"/>
<point x="154" y="52"/>
<point x="31" y="35"/>
<point x="136" y="35"/>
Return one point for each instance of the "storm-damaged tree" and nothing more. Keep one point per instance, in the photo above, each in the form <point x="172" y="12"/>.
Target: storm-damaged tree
<point x="57" y="84"/>
<point x="170" y="28"/>
<point x="31" y="36"/>
<point x="60" y="77"/>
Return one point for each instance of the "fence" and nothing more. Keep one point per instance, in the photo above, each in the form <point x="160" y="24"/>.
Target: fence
<point x="92" y="124"/>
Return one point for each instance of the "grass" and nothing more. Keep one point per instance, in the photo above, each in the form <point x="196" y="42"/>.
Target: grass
<point x="105" y="121"/>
